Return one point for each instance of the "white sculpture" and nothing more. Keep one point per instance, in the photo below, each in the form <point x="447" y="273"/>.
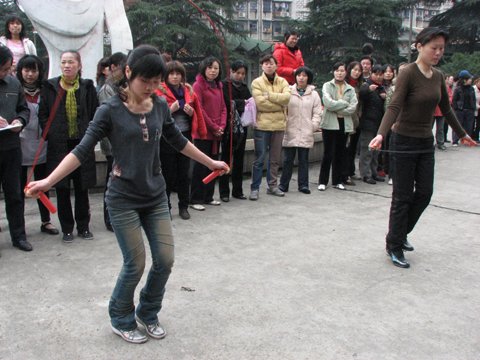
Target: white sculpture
<point x="79" y="25"/>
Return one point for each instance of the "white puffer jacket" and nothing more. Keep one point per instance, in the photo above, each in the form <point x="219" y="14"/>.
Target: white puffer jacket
<point x="304" y="116"/>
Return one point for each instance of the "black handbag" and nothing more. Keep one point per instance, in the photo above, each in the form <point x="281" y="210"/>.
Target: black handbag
<point x="238" y="132"/>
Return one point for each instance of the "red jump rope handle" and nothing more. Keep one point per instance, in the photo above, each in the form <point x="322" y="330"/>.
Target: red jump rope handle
<point x="48" y="204"/>
<point x="212" y="176"/>
<point x="465" y="142"/>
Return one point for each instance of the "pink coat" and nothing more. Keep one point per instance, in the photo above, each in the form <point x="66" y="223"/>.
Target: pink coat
<point x="213" y="106"/>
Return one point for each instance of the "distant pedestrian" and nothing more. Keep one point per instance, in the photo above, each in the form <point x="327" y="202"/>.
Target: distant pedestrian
<point x="464" y="103"/>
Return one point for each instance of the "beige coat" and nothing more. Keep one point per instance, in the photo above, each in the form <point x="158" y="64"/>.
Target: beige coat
<point x="304" y="115"/>
<point x="271" y="112"/>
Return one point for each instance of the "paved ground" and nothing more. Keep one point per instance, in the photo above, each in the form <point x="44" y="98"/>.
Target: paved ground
<point x="300" y="277"/>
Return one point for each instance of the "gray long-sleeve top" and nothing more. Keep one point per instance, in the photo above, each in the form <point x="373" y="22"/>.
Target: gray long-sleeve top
<point x="136" y="181"/>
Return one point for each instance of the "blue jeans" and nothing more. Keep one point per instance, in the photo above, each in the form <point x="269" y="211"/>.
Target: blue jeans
<point x="288" y="167"/>
<point x="157" y="226"/>
<point x="266" y="141"/>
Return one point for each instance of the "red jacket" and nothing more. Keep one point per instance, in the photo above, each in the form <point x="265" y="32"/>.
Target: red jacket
<point x="287" y="62"/>
<point x="198" y="123"/>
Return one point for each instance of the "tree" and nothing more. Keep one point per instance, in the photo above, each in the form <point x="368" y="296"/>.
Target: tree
<point x="459" y="62"/>
<point x="463" y="24"/>
<point x="176" y="26"/>
<point x="336" y="30"/>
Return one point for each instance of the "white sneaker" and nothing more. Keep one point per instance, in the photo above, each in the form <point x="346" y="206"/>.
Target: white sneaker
<point x="321" y="187"/>
<point x="339" y="187"/>
<point x="214" y="203"/>
<point x="390" y="182"/>
<point x="198" y="207"/>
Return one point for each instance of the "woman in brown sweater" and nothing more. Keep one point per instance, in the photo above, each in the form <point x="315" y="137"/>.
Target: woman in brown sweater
<point x="418" y="91"/>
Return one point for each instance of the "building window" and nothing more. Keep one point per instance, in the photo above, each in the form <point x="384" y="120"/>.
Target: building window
<point x="267" y="6"/>
<point x="253" y="6"/>
<point x="407" y="14"/>
<point x="277" y="27"/>
<point x="240" y="6"/>
<point x="267" y="27"/>
<point x="240" y="25"/>
<point x="253" y="26"/>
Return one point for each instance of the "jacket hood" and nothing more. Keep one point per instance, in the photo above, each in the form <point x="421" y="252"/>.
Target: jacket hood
<point x="163" y="88"/>
<point x="203" y="82"/>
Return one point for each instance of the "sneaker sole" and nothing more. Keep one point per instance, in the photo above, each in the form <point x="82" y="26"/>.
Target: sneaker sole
<point x="145" y="326"/>
<point x="117" y="332"/>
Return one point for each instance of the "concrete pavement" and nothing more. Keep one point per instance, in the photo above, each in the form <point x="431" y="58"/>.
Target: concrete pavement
<point x="299" y="277"/>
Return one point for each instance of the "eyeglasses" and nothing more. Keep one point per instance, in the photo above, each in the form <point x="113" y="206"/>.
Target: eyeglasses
<point x="143" y="123"/>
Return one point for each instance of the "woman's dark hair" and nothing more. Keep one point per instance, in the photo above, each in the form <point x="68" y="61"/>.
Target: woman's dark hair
<point x="175" y="66"/>
<point x="78" y="57"/>
<point x="400" y="65"/>
<point x="267" y="58"/>
<point x="307" y="71"/>
<point x="31" y="62"/>
<point x="209" y="62"/>
<point x="386" y="66"/>
<point x="287" y="35"/>
<point x="338" y="64"/>
<point x="367" y="49"/>
<point x="377" y="68"/>
<point x="238" y="64"/>
<point x="11" y="18"/>
<point x="350" y="67"/>
<point x="367" y="58"/>
<point x="102" y="64"/>
<point x="430" y="33"/>
<point x="117" y="59"/>
<point x="5" y="55"/>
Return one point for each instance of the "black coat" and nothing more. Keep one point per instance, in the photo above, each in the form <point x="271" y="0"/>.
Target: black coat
<point x="238" y="94"/>
<point x="372" y="106"/>
<point x="57" y="136"/>
<point x="463" y="97"/>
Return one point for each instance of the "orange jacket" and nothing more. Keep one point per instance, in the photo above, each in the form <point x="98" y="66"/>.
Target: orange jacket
<point x="198" y="123"/>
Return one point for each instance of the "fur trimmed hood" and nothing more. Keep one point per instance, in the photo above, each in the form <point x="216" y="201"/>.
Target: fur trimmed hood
<point x="163" y="90"/>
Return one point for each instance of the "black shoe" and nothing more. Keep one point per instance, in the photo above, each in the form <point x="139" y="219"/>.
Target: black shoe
<point x="109" y="226"/>
<point x="87" y="235"/>
<point x="184" y="214"/>
<point x="44" y="229"/>
<point x="282" y="188"/>
<point x="23" y="245"/>
<point x="369" y="180"/>
<point x="240" y="197"/>
<point x="225" y="199"/>
<point x="407" y="246"/>
<point x="68" y="237"/>
<point x="398" y="259"/>
<point x="379" y="178"/>
<point x="305" y="191"/>
<point x="447" y="141"/>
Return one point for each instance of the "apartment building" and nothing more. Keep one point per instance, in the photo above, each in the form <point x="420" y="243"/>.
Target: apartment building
<point x="264" y="20"/>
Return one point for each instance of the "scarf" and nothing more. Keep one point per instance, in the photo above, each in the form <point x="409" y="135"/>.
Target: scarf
<point x="71" y="105"/>
<point x="352" y="82"/>
<point x="301" y="91"/>
<point x="235" y="82"/>
<point x="31" y="89"/>
<point x="212" y="83"/>
<point x="271" y="78"/>
<point x="179" y="95"/>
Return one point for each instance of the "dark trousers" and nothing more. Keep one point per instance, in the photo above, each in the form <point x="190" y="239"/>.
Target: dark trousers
<point x="351" y="155"/>
<point x="476" y="131"/>
<point x="82" y="205"/>
<point x="10" y="173"/>
<point x="39" y="173"/>
<point x="106" y="216"/>
<point x="287" y="171"/>
<point x="175" y="167"/>
<point x="412" y="176"/>
<point x="334" y="144"/>
<point x="201" y="193"/>
<point x="466" y="118"/>
<point x="237" y="169"/>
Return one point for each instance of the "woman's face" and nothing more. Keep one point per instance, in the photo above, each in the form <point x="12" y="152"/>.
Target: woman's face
<point x="431" y="52"/>
<point x="356" y="72"/>
<point x="174" y="79"/>
<point x="239" y="74"/>
<point x="69" y="65"/>
<point x="450" y="81"/>
<point x="302" y="80"/>
<point x="388" y="74"/>
<point x="15" y="27"/>
<point x="116" y="72"/>
<point x="142" y="87"/>
<point x="30" y="75"/>
<point x="292" y="41"/>
<point x="340" y="73"/>
<point x="469" y="81"/>
<point x="212" y="71"/>
<point x="269" y="67"/>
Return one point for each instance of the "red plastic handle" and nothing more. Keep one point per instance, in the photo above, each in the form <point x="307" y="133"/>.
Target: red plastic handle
<point x="212" y="176"/>
<point x="465" y="141"/>
<point x="48" y="204"/>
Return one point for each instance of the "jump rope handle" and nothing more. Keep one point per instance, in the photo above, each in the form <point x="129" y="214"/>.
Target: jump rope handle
<point x="470" y="143"/>
<point x="48" y="204"/>
<point x="212" y="176"/>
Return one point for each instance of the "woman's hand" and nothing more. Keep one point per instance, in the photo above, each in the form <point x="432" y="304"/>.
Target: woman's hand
<point x="188" y="109"/>
<point x="3" y="123"/>
<point x="373" y="87"/>
<point x="383" y="95"/>
<point x="376" y="143"/>
<point x="174" y="107"/>
<point x="16" y="122"/>
<point x="218" y="133"/>
<point x="36" y="188"/>
<point x="219" y="165"/>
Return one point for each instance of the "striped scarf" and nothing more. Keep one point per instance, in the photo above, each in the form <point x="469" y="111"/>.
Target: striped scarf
<point x="71" y="105"/>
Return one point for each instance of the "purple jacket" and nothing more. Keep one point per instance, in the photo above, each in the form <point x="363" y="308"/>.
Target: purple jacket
<point x="213" y="106"/>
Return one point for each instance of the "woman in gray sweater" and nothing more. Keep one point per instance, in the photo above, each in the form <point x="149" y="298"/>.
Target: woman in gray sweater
<point x="134" y="121"/>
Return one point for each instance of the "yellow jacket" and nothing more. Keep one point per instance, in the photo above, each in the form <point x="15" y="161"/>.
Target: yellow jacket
<point x="271" y="112"/>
